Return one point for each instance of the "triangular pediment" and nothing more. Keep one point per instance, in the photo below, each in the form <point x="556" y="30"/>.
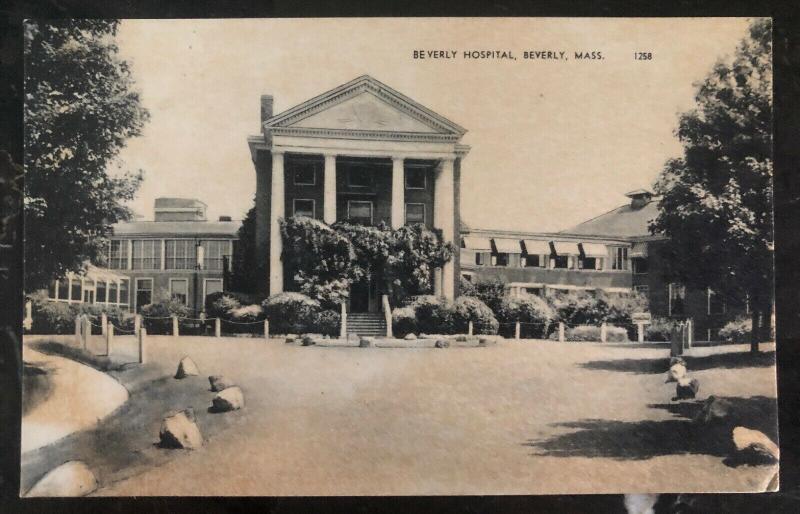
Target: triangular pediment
<point x="366" y="105"/>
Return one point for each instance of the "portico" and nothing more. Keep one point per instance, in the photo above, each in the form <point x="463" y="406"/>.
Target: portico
<point x="361" y="152"/>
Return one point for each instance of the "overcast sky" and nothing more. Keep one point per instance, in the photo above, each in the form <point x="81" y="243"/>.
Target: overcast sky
<point x="553" y="142"/>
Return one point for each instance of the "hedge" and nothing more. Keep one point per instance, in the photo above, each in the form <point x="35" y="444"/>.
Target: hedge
<point x="434" y="315"/>
<point x="291" y="313"/>
<point x="737" y="331"/>
<point x="50" y="317"/>
<point x="533" y="313"/>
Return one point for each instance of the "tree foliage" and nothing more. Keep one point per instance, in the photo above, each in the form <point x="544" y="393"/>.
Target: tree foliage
<point x="247" y="271"/>
<point x="80" y="109"/>
<point x="716" y="200"/>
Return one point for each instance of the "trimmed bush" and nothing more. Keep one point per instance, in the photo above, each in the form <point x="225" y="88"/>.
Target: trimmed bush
<point x="156" y="317"/>
<point x="592" y="333"/>
<point x="50" y="317"/>
<point x="491" y="292"/>
<point x="291" y="313"/>
<point x="533" y="313"/>
<point x="328" y="323"/>
<point x="466" y="309"/>
<point x="404" y="321"/>
<point x="434" y="315"/>
<point x="223" y="301"/>
<point x="737" y="331"/>
<point x="659" y="330"/>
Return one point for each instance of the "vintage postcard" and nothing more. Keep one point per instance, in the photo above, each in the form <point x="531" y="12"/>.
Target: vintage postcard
<point x="282" y="257"/>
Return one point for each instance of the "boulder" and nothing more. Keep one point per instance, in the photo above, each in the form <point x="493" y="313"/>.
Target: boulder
<point x="73" y="478"/>
<point x="676" y="372"/>
<point x="186" y="368"/>
<point x="461" y="339"/>
<point x="180" y="431"/>
<point x="410" y="337"/>
<point x="227" y="400"/>
<point x="714" y="410"/>
<point x="308" y="341"/>
<point x="442" y="343"/>
<point x="687" y="388"/>
<point x="754" y="447"/>
<point x="290" y="339"/>
<point x="218" y="383"/>
<point x="365" y="342"/>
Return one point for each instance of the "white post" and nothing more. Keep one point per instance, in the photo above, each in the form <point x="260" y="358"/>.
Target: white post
<point x="277" y="210"/>
<point x="27" y="324"/>
<point x="640" y="332"/>
<point x="329" y="190"/>
<point x="690" y="330"/>
<point x="444" y="219"/>
<point x="87" y="331"/>
<point x="142" y="338"/>
<point x="469" y="328"/>
<point x="266" y="329"/>
<point x="103" y="323"/>
<point x="398" y="192"/>
<point x="561" y="332"/>
<point x="516" y="331"/>
<point x="603" y="332"/>
<point x="78" y="330"/>
<point x="137" y="324"/>
<point x="109" y="339"/>
<point x="175" y="331"/>
<point x="217" y="327"/>
<point x="343" y="324"/>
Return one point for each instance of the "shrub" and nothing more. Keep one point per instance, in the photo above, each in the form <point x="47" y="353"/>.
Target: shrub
<point x="53" y="318"/>
<point x="592" y="333"/>
<point x="156" y="316"/>
<point x="533" y="313"/>
<point x="327" y="323"/>
<point x="404" y="321"/>
<point x="291" y="313"/>
<point x="466" y="309"/>
<point x="434" y="315"/>
<point x="578" y="307"/>
<point x="737" y="331"/>
<point x="215" y="305"/>
<point x="660" y="329"/>
<point x="491" y="292"/>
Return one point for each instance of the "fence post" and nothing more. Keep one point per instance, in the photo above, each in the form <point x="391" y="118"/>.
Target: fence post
<point x="27" y="324"/>
<point x="640" y="332"/>
<point x="561" y="332"/>
<point x="103" y="323"/>
<point x="676" y="341"/>
<point x="603" y="332"/>
<point x="109" y="339"/>
<point x="516" y="330"/>
<point x="343" y="325"/>
<point x="690" y="333"/>
<point x="78" y="330"/>
<point x="217" y="327"/>
<point x="87" y="331"/>
<point x="137" y="324"/>
<point x="142" y="338"/>
<point x="266" y="329"/>
<point x="175" y="330"/>
<point x="469" y="328"/>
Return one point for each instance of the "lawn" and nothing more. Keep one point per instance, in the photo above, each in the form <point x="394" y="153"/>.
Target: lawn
<point x="514" y="418"/>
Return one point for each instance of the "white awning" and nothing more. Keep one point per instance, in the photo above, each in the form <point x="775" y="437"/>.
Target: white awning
<point x="481" y="244"/>
<point x="537" y="247"/>
<point x="638" y="250"/>
<point x="566" y="248"/>
<point x="594" y="250"/>
<point x="507" y="245"/>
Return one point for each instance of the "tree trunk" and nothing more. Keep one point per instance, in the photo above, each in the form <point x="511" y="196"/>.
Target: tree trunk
<point x="754" y="330"/>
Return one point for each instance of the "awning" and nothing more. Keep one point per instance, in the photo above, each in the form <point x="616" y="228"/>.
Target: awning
<point x="594" y="250"/>
<point x="566" y="248"/>
<point x="638" y="250"/>
<point x="507" y="245"/>
<point x="481" y="244"/>
<point x="537" y="247"/>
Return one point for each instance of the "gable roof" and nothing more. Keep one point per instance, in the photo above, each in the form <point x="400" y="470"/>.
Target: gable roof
<point x="365" y="84"/>
<point x="623" y="221"/>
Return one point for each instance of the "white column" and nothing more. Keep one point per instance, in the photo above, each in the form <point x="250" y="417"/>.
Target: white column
<point x="277" y="210"/>
<point x="444" y="219"/>
<point x="329" y="185"/>
<point x="398" y="192"/>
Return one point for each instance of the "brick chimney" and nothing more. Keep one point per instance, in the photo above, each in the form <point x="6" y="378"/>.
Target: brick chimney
<point x="266" y="109"/>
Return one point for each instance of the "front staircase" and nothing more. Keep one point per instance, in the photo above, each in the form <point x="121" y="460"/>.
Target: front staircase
<point x="366" y="324"/>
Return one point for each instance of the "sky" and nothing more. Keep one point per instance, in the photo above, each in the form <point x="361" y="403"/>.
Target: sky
<point x="554" y="142"/>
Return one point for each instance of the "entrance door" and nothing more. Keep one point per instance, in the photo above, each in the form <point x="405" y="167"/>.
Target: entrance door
<point x="359" y="297"/>
<point x="144" y="292"/>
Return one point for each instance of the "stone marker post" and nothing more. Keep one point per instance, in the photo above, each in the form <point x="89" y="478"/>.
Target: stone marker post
<point x="27" y="323"/>
<point x="78" y="330"/>
<point x="109" y="339"/>
<point x="137" y="324"/>
<point x="689" y="333"/>
<point x="469" y="328"/>
<point x="175" y="330"/>
<point x="603" y="334"/>
<point x="640" y="332"/>
<point x="343" y="325"/>
<point x="87" y="331"/>
<point x="103" y="323"/>
<point x="516" y="330"/>
<point x="142" y="341"/>
<point x="266" y="329"/>
<point x="217" y="327"/>
<point x="561" y="332"/>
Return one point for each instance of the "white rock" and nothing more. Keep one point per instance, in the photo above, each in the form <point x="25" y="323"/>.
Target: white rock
<point x="442" y="343"/>
<point x="186" y="368"/>
<point x="73" y="478"/>
<point x="757" y="443"/>
<point x="410" y="337"/>
<point x="228" y="399"/>
<point x="180" y="431"/>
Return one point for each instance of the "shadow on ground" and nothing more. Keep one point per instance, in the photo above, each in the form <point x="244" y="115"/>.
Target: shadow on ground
<point x="639" y="440"/>
<point x="730" y="360"/>
<point x="36" y="385"/>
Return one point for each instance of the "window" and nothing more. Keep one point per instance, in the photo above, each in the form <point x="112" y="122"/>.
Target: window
<point x="501" y="259"/>
<point x="560" y="262"/>
<point x="534" y="291"/>
<point x="147" y="254"/>
<point x="480" y="259"/>
<point x="118" y="257"/>
<point x="304" y="173"/>
<point x="212" y="285"/>
<point x="619" y="258"/>
<point x="716" y="303"/>
<point x="359" y="177"/>
<point x="415" y="213"/>
<point x="63" y="289"/>
<point x="100" y="292"/>
<point x="123" y="292"/>
<point x="88" y="296"/>
<point x="415" y="178"/>
<point x="639" y="265"/>
<point x="303" y="207"/>
<point x="180" y="254"/>
<point x="644" y="289"/>
<point x="113" y="293"/>
<point x="677" y="297"/>
<point x="179" y="289"/>
<point x="595" y="263"/>
<point x="52" y="290"/>
<point x="214" y="253"/>
<point x="144" y="292"/>
<point x="359" y="212"/>
<point x="75" y="290"/>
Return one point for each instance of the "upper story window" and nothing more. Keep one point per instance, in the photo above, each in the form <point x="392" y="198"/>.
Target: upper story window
<point x="415" y="213"/>
<point x="533" y="261"/>
<point x="118" y="256"/>
<point x="639" y="265"/>
<point x="214" y="253"/>
<point x="359" y="212"/>
<point x="180" y="254"/>
<point x="305" y="173"/>
<point x="303" y="207"/>
<point x="561" y="262"/>
<point x="677" y="298"/>
<point x="619" y="258"/>
<point x="146" y="254"/>
<point x="415" y="178"/>
<point x="500" y="259"/>
<point x="480" y="259"/>
<point x="359" y="177"/>
<point x="595" y="263"/>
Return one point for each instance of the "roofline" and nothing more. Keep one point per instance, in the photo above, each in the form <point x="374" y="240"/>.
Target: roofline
<point x="550" y="236"/>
